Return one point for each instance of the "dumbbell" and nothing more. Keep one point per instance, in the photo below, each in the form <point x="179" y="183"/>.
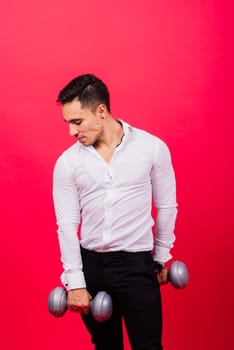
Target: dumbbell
<point x="178" y="275"/>
<point x="101" y="306"/>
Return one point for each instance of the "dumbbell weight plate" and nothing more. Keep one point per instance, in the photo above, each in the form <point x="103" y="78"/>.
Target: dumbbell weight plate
<point x="101" y="306"/>
<point x="57" y="302"/>
<point x="178" y="275"/>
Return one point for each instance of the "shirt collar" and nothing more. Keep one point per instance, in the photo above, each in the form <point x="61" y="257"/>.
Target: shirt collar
<point x="127" y="129"/>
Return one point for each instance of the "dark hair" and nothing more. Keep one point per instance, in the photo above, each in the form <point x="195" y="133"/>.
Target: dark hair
<point x="88" y="89"/>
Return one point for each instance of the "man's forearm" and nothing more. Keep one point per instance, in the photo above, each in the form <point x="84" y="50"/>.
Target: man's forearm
<point x="73" y="276"/>
<point x="164" y="236"/>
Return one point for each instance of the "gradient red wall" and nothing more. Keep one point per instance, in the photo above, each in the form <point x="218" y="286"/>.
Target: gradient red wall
<point x="169" y="67"/>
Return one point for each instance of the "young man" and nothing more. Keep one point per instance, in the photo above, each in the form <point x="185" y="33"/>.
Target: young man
<point x="105" y="183"/>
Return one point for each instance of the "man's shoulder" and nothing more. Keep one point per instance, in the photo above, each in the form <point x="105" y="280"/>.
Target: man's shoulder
<point x="146" y="136"/>
<point x="69" y="155"/>
<point x="71" y="150"/>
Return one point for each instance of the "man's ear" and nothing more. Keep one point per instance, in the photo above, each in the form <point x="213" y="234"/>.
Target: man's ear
<point x="101" y="110"/>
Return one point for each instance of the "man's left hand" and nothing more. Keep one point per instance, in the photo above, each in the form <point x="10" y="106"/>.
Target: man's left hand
<point x="162" y="276"/>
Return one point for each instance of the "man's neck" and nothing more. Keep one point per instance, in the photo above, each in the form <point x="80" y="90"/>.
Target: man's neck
<point x="112" y="134"/>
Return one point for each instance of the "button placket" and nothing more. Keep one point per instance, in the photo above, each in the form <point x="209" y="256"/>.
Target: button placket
<point x="107" y="206"/>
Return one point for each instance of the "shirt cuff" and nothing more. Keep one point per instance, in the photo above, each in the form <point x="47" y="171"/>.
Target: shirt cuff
<point x="73" y="280"/>
<point x="161" y="254"/>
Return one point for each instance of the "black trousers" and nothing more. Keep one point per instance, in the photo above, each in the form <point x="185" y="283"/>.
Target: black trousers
<point x="131" y="281"/>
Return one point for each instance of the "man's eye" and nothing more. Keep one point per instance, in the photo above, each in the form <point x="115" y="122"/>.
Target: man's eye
<point x="77" y="122"/>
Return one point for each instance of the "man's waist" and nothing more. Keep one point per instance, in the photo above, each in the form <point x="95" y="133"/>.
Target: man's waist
<point x="119" y="253"/>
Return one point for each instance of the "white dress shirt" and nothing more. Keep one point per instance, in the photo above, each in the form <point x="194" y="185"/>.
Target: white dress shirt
<point x="113" y="202"/>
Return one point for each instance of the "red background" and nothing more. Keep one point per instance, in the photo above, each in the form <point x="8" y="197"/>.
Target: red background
<point x="169" y="68"/>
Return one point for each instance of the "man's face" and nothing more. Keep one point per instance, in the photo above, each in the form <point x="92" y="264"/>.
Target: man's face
<point x="84" y="124"/>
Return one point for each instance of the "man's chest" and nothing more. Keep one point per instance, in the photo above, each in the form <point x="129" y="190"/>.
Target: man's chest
<point x="125" y="170"/>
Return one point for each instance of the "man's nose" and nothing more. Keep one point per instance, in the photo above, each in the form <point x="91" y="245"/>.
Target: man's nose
<point x="73" y="130"/>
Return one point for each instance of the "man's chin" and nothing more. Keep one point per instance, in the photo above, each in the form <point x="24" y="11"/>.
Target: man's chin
<point x="82" y="139"/>
<point x="85" y="142"/>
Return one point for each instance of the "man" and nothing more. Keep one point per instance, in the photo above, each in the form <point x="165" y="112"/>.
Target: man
<point x="105" y="183"/>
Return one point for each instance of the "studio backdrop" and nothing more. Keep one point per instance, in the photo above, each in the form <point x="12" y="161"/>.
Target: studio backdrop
<point x="169" y="68"/>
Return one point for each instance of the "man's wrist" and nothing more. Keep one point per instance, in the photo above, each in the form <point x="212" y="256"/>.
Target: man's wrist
<point x="159" y="266"/>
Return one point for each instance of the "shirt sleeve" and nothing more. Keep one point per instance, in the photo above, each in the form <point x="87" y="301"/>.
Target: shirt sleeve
<point x="67" y="211"/>
<point x="164" y="196"/>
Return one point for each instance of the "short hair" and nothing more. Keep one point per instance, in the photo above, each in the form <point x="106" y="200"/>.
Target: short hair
<point x="88" y="89"/>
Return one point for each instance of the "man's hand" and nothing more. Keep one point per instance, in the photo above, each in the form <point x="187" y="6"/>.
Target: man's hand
<point x="162" y="276"/>
<point x="78" y="300"/>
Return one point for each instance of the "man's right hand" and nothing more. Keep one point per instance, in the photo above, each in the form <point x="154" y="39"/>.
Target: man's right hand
<point x="78" y="300"/>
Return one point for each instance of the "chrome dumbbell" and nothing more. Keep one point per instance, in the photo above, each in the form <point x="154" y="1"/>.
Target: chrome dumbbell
<point x="101" y="306"/>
